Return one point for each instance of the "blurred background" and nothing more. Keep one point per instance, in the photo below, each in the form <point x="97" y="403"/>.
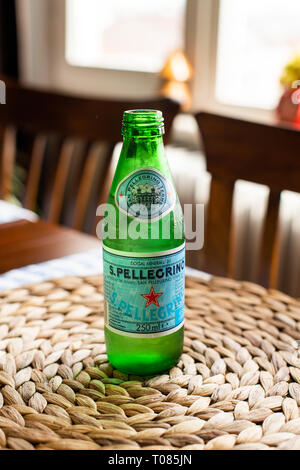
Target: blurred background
<point x="225" y="74"/>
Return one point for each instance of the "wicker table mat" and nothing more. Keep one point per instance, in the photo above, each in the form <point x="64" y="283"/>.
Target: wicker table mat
<point x="237" y="385"/>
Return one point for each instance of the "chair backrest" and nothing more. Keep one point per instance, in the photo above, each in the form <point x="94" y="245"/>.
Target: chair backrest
<point x="55" y="124"/>
<point x="265" y="154"/>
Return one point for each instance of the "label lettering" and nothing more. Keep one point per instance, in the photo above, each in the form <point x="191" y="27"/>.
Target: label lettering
<point x="144" y="296"/>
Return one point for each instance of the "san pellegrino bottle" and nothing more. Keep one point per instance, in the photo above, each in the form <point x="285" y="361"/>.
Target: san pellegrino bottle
<point x="143" y="253"/>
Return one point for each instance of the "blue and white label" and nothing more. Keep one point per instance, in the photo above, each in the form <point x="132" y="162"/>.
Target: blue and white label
<point x="146" y="195"/>
<point x="144" y="294"/>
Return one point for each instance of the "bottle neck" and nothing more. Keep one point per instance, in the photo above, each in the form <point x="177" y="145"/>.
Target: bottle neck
<point x="146" y="150"/>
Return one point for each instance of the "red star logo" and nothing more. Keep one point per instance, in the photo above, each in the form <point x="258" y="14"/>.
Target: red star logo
<point x="121" y="195"/>
<point x="152" y="298"/>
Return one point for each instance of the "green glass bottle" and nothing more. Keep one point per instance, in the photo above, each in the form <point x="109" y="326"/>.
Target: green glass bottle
<point x="143" y="253"/>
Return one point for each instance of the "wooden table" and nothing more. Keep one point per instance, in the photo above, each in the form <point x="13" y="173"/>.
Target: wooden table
<point x="23" y="243"/>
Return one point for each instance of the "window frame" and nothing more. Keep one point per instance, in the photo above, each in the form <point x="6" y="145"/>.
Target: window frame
<point x="42" y="45"/>
<point x="57" y="72"/>
<point x="202" y="52"/>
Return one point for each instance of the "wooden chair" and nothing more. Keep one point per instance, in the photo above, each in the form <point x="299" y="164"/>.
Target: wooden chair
<point x="260" y="153"/>
<point x="40" y="116"/>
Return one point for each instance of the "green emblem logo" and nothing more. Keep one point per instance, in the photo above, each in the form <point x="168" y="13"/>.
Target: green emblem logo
<point x="146" y="195"/>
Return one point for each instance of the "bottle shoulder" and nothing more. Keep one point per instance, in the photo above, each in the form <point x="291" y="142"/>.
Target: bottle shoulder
<point x="143" y="203"/>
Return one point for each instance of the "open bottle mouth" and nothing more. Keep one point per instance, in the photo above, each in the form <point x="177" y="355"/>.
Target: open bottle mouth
<point x="143" y="123"/>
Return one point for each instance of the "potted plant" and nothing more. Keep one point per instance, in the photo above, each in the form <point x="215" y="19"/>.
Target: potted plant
<point x="288" y="109"/>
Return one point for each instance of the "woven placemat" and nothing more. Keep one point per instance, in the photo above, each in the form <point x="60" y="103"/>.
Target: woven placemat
<point x="237" y="385"/>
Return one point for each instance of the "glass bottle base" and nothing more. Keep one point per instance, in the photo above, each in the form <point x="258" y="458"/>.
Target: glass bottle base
<point x="144" y="356"/>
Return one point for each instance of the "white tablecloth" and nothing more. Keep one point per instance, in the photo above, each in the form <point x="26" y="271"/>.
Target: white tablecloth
<point x="81" y="264"/>
<point x="11" y="213"/>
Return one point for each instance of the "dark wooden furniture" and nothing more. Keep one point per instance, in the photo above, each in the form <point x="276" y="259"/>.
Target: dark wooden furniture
<point x="23" y="243"/>
<point x="260" y="153"/>
<point x="59" y="129"/>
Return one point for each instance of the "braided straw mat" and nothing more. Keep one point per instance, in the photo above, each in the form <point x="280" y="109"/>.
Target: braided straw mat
<point x="237" y="385"/>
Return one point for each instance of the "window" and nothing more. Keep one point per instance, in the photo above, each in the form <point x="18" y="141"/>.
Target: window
<point x="256" y="39"/>
<point x="124" y="35"/>
<point x="237" y="48"/>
